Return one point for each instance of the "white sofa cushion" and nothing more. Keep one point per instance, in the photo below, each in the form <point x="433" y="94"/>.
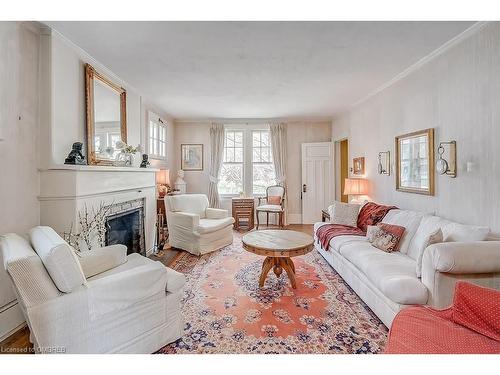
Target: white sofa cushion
<point x="428" y="225"/>
<point x="192" y="203"/>
<point x="455" y="232"/>
<point x="270" y="207"/>
<point x="410" y="220"/>
<point x="212" y="225"/>
<point x="344" y="213"/>
<point x="58" y="258"/>
<point x="392" y="273"/>
<point x="336" y="243"/>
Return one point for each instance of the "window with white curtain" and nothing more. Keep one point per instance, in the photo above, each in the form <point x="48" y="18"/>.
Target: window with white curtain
<point x="157" y="137"/>
<point x="247" y="163"/>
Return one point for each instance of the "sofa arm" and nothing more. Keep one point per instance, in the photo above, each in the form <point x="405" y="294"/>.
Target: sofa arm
<point x="216" y="213"/>
<point x="183" y="220"/>
<point x="462" y="257"/>
<point x="94" y="262"/>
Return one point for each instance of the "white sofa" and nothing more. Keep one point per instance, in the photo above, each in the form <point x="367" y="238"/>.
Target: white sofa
<point x="388" y="282"/>
<point x="194" y="227"/>
<point x="100" y="302"/>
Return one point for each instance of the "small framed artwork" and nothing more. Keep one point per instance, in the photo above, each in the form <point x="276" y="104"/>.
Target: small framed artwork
<point x="358" y="166"/>
<point x="415" y="162"/>
<point x="192" y="157"/>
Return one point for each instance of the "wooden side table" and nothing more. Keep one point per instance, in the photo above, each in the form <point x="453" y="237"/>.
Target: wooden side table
<point x="243" y="208"/>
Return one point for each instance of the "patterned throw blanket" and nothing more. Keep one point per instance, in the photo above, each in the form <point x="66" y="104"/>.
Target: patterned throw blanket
<point x="370" y="214"/>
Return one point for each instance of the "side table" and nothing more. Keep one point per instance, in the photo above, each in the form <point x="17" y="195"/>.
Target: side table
<point x="243" y="208"/>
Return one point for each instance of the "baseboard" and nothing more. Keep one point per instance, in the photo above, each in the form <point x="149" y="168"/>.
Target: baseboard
<point x="294" y="218"/>
<point x="11" y="320"/>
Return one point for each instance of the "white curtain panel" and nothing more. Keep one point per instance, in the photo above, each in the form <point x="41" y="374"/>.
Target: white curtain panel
<point x="216" y="154"/>
<point x="278" y="146"/>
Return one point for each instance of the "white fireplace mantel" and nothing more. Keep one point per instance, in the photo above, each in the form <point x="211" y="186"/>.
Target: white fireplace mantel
<point x="65" y="190"/>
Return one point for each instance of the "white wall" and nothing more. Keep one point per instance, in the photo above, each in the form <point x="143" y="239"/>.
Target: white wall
<point x="457" y="93"/>
<point x="19" y="182"/>
<point x="298" y="132"/>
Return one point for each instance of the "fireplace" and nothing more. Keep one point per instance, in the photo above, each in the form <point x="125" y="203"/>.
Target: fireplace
<point x="125" y="225"/>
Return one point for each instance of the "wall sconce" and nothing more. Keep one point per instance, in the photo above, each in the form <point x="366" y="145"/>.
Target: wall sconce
<point x="384" y="163"/>
<point x="448" y="167"/>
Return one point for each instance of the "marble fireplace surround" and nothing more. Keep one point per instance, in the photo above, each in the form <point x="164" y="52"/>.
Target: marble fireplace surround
<point x="66" y="189"/>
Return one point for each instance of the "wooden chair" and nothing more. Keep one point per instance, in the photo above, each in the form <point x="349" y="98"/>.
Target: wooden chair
<point x="272" y="207"/>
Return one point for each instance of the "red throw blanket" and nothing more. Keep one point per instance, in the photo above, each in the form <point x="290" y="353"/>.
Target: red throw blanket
<point x="370" y="214"/>
<point x="326" y="232"/>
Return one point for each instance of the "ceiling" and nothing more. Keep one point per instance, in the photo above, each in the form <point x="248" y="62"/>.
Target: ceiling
<point x="257" y="69"/>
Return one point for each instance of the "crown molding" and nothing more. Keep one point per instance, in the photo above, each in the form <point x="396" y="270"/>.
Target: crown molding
<point x="227" y="120"/>
<point x="420" y="63"/>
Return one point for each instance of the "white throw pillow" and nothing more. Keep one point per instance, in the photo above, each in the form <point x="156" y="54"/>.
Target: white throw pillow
<point x="435" y="237"/>
<point x="455" y="232"/>
<point x="408" y="219"/>
<point x="344" y="213"/>
<point x="58" y="258"/>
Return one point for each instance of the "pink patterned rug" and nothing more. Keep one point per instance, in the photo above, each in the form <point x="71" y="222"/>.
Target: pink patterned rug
<point x="226" y="312"/>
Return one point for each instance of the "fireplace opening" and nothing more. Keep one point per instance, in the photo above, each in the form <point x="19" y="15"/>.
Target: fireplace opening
<point x="126" y="228"/>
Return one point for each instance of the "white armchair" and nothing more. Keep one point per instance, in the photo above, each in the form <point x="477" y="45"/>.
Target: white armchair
<point x="194" y="227"/>
<point x="100" y="302"/>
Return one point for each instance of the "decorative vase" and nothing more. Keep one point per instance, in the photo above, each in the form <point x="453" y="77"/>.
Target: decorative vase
<point x="125" y="158"/>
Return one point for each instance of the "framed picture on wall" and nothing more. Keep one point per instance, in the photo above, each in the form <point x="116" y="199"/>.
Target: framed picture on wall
<point x="192" y="157"/>
<point x="415" y="162"/>
<point x="358" y="166"/>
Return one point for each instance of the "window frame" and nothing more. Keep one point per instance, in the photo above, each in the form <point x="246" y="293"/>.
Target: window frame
<point x="248" y="163"/>
<point x="163" y="125"/>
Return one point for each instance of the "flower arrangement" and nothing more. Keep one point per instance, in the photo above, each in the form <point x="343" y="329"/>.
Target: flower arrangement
<point x="128" y="149"/>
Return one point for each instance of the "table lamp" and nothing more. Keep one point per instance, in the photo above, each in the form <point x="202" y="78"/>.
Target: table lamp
<point x="355" y="186"/>
<point x="163" y="182"/>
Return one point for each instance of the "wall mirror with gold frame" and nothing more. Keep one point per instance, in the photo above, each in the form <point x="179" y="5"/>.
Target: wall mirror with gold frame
<point x="106" y="104"/>
<point x="415" y="162"/>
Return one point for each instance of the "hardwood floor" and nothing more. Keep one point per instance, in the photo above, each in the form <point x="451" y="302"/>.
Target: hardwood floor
<point x="19" y="342"/>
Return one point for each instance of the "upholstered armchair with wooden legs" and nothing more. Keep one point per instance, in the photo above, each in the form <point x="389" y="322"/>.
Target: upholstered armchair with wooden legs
<point x="274" y="204"/>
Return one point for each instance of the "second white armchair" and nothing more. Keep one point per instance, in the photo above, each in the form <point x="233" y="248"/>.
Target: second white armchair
<point x="195" y="227"/>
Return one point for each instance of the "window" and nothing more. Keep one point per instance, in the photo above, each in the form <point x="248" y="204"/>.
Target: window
<point x="157" y="134"/>
<point x="262" y="163"/>
<point x="247" y="164"/>
<point x="231" y="181"/>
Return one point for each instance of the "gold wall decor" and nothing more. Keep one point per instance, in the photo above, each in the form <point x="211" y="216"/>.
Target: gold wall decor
<point x="447" y="166"/>
<point x="358" y="166"/>
<point x="415" y="162"/>
<point x="106" y="108"/>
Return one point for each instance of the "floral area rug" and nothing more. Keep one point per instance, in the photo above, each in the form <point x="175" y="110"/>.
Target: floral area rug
<point x="225" y="311"/>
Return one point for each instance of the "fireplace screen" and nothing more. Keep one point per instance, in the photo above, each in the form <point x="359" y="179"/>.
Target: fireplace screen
<point x="127" y="228"/>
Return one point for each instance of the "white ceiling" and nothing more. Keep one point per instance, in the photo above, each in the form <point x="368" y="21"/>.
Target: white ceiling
<point x="257" y="69"/>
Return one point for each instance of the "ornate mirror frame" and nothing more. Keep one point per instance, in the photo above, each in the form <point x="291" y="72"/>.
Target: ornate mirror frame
<point x="429" y="133"/>
<point x="90" y="75"/>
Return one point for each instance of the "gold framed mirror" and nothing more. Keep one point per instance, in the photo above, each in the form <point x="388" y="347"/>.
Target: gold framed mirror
<point x="106" y="105"/>
<point x="415" y="162"/>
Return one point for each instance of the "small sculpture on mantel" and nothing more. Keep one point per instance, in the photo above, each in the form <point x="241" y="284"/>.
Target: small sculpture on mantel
<point x="180" y="184"/>
<point x="145" y="161"/>
<point x="75" y="157"/>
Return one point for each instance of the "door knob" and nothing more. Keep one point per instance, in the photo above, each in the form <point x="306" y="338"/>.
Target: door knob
<point x="304" y="188"/>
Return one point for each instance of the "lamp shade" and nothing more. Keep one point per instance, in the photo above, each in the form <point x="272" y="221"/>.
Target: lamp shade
<point x="355" y="186"/>
<point x="163" y="177"/>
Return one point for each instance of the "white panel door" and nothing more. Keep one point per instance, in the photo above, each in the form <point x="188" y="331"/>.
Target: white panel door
<point x="317" y="187"/>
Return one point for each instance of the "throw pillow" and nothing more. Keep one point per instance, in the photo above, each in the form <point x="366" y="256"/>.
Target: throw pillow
<point x="371" y="214"/>
<point x="388" y="237"/>
<point x="274" y="200"/>
<point x="435" y="237"/>
<point x="344" y="213"/>
<point x="371" y="232"/>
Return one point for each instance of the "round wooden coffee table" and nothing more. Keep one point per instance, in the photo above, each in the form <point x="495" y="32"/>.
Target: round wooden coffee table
<point x="278" y="246"/>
